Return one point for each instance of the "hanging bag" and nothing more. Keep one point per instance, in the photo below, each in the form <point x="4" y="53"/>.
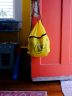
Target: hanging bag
<point x="38" y="42"/>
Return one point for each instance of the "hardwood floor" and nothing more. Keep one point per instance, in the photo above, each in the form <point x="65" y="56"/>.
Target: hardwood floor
<point x="52" y="88"/>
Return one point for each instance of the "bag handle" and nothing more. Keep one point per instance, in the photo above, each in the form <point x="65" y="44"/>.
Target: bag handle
<point x="38" y="3"/>
<point x="38" y="7"/>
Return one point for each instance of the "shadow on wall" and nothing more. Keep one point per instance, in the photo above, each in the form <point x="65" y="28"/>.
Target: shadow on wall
<point x="24" y="70"/>
<point x="25" y="66"/>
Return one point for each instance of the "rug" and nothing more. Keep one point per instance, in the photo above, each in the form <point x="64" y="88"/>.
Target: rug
<point x="66" y="88"/>
<point x="23" y="93"/>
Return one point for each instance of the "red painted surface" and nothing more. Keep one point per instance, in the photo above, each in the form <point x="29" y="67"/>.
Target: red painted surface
<point x="57" y="19"/>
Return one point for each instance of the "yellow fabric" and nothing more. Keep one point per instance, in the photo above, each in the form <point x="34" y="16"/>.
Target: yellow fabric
<point x="38" y="42"/>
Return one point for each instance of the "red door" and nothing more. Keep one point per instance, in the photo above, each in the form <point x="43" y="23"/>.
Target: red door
<point x="57" y="19"/>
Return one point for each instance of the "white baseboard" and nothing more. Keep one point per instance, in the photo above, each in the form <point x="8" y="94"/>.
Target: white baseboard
<point x="52" y="78"/>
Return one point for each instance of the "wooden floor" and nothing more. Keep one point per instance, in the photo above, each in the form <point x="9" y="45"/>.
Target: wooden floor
<point x="52" y="88"/>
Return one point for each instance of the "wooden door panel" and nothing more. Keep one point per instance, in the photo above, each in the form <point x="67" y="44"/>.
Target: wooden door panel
<point x="70" y="36"/>
<point x="57" y="19"/>
<point x="66" y="32"/>
<point x="55" y="70"/>
<point x="51" y="17"/>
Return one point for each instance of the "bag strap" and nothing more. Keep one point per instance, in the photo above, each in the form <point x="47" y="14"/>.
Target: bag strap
<point x="33" y="7"/>
<point x="38" y="8"/>
<point x="38" y="3"/>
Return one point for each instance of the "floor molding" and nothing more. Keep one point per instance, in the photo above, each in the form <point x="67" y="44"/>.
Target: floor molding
<point x="52" y="78"/>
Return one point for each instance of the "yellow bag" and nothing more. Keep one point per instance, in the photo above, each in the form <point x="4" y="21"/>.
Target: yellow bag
<point x="38" y="42"/>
